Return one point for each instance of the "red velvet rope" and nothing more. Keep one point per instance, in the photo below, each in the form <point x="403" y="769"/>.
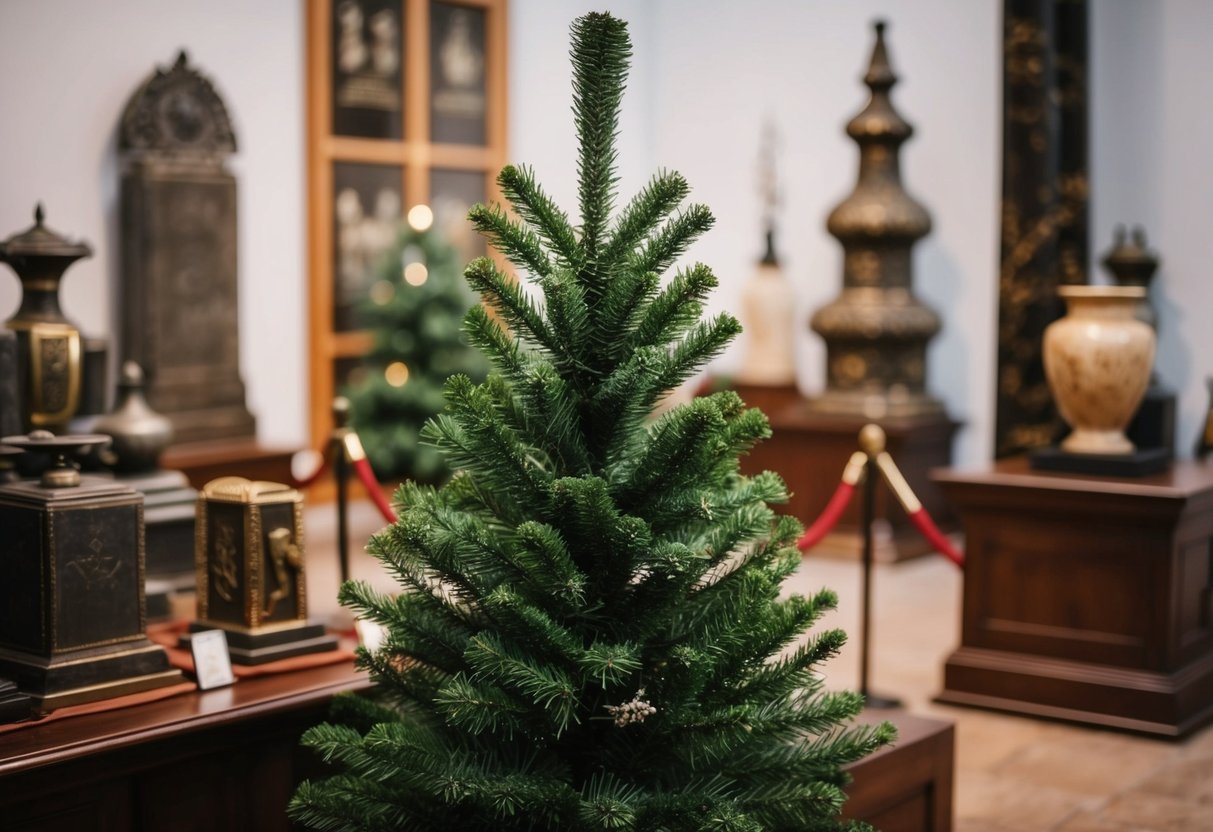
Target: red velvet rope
<point x="828" y="518"/>
<point x="362" y="467"/>
<point x="926" y="526"/>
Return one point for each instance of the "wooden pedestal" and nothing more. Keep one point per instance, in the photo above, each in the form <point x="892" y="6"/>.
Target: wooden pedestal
<point x="202" y="462"/>
<point x="1086" y="598"/>
<point x="906" y="787"/>
<point x="809" y="451"/>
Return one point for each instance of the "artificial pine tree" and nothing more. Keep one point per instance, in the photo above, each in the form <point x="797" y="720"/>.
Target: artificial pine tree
<point x="415" y="311"/>
<point x="590" y="634"/>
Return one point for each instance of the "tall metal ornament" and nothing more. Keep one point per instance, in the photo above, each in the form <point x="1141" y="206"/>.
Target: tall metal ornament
<point x="876" y="331"/>
<point x="179" y="254"/>
<point x="49" y="350"/>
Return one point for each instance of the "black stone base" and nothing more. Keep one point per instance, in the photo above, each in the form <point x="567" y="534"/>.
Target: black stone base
<point x="89" y="675"/>
<point x="1153" y="426"/>
<point x="14" y="705"/>
<point x="253" y="648"/>
<point x="1140" y="463"/>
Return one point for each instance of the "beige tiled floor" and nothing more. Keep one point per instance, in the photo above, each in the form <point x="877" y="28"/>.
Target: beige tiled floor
<point x="1013" y="774"/>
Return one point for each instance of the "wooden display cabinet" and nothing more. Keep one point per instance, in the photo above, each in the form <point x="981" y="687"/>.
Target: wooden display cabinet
<point x="1086" y="598"/>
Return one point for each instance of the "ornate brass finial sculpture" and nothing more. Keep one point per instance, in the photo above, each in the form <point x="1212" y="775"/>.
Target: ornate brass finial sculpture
<point x="876" y="331"/>
<point x="48" y="344"/>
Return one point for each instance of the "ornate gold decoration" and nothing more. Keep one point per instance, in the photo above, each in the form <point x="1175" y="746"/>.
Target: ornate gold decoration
<point x="240" y="574"/>
<point x="225" y="569"/>
<point x="283" y="555"/>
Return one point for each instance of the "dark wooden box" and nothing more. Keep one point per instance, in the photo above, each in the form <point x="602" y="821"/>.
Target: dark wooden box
<point x="1086" y="598"/>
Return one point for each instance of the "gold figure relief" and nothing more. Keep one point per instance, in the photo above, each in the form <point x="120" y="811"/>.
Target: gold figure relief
<point x="284" y="556"/>
<point x="225" y="568"/>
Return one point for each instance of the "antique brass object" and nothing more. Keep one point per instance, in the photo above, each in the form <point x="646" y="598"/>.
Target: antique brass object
<point x="179" y="242"/>
<point x="876" y="331"/>
<point x="48" y="344"/>
<point x="72" y="608"/>
<point x="249" y="560"/>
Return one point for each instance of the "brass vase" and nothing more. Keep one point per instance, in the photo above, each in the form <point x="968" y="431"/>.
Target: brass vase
<point x="1097" y="361"/>
<point x="48" y="344"/>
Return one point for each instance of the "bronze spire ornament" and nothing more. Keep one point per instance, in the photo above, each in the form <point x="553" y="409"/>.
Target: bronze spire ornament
<point x="876" y="331"/>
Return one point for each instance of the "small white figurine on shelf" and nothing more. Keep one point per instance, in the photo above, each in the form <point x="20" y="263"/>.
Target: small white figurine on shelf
<point x="768" y="308"/>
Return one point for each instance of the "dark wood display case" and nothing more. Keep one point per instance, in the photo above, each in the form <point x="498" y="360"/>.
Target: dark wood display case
<point x="1086" y="598"/>
<point x="223" y="759"/>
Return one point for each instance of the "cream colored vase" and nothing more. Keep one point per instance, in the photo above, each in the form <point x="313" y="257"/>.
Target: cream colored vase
<point x="1097" y="361"/>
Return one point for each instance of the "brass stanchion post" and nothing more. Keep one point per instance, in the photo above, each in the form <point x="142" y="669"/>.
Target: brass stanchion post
<point x="872" y="442"/>
<point x="341" y="473"/>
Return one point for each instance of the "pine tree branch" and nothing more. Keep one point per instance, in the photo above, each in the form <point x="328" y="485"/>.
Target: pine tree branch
<point x="600" y="55"/>
<point x="668" y="244"/>
<point x="675" y="309"/>
<point x="519" y="244"/>
<point x="518" y="185"/>
<point x="646" y="210"/>
<point x="510" y="301"/>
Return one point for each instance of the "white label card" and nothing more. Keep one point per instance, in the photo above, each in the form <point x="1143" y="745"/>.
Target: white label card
<point x="212" y="662"/>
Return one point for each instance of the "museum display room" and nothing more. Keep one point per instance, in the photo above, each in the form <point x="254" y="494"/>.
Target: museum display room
<point x="539" y="414"/>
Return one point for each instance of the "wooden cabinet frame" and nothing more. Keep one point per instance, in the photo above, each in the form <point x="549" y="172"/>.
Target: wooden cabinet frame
<point x="414" y="153"/>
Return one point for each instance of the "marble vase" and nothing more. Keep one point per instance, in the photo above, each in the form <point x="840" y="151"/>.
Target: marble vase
<point x="1097" y="361"/>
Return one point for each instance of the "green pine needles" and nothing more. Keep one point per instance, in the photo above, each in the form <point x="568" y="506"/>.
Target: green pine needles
<point x="590" y="634"/>
<point x="415" y="311"/>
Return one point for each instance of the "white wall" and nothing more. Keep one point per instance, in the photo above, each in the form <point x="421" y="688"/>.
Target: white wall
<point x="1151" y="128"/>
<point x="705" y="75"/>
<point x="67" y="68"/>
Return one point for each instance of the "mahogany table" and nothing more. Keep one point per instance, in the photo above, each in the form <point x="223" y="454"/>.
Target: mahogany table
<point x="1086" y="598"/>
<point x="229" y="759"/>
<point x="224" y="759"/>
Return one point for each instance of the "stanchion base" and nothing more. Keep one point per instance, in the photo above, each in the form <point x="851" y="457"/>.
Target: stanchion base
<point x="879" y="702"/>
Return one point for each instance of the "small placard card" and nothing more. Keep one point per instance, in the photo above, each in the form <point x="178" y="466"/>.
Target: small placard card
<point x="212" y="663"/>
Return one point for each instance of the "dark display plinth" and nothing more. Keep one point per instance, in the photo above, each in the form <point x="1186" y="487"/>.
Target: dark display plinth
<point x="1140" y="463"/>
<point x="1086" y="598"/>
<point x="253" y="648"/>
<point x="14" y="705"/>
<point x="72" y="615"/>
<point x="809" y="450"/>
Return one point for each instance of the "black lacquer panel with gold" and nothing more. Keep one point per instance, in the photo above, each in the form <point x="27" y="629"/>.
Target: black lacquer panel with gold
<point x="1045" y="191"/>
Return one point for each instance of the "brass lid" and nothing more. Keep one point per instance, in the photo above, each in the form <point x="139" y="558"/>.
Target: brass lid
<point x="40" y="241"/>
<point x="241" y="490"/>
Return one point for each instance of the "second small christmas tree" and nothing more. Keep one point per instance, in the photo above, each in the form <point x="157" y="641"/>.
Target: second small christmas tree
<point x="416" y="310"/>
<point x="591" y="633"/>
